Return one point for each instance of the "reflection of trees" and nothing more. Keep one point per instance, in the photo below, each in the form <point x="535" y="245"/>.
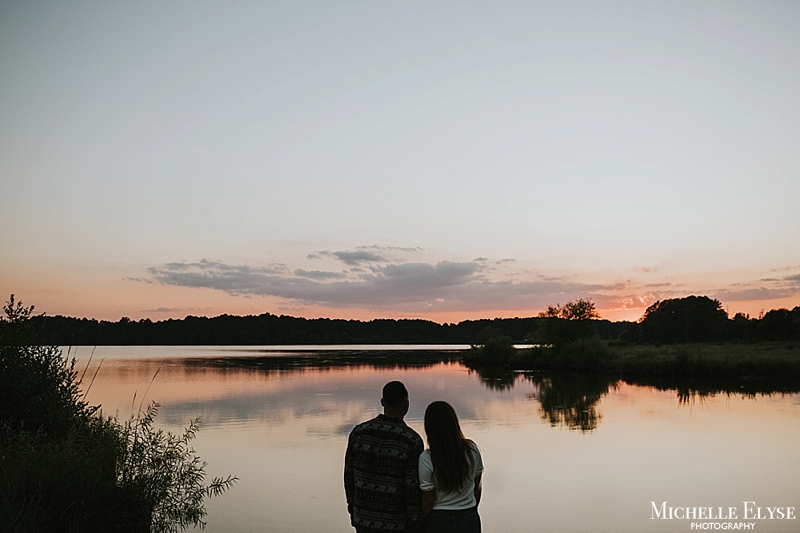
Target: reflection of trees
<point x="498" y="378"/>
<point x="689" y="389"/>
<point x="320" y="360"/>
<point x="571" y="400"/>
<point x="566" y="399"/>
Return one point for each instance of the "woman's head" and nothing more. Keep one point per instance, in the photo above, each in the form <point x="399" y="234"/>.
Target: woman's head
<point x="441" y="424"/>
<point x="450" y="450"/>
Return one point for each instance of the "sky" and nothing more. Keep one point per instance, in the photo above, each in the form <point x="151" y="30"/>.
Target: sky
<point x="438" y="160"/>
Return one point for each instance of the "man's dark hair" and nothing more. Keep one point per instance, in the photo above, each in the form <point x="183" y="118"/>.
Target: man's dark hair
<point x="394" y="394"/>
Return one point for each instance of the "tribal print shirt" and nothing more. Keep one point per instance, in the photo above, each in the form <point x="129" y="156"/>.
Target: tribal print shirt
<point x="381" y="479"/>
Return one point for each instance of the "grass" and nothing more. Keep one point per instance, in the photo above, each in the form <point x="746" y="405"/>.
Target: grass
<point x="592" y="355"/>
<point x="759" y="360"/>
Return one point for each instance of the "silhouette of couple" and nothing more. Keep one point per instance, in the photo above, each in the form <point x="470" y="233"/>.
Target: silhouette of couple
<point x="393" y="484"/>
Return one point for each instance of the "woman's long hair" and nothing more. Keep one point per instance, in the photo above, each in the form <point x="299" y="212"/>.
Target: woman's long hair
<point x="450" y="450"/>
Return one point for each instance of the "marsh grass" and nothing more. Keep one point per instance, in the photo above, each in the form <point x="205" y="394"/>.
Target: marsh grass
<point x="593" y="355"/>
<point x="162" y="473"/>
<point x="759" y="360"/>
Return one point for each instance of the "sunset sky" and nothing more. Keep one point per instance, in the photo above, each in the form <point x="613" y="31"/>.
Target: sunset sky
<point x="441" y="160"/>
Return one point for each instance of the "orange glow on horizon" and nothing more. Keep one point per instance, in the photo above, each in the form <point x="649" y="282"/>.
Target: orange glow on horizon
<point x="107" y="297"/>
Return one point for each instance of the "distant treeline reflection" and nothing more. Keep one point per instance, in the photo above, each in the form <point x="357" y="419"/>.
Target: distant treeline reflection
<point x="384" y="359"/>
<point x="570" y="400"/>
<point x="565" y="399"/>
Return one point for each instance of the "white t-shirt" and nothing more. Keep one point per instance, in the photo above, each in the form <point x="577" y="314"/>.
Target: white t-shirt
<point x="451" y="501"/>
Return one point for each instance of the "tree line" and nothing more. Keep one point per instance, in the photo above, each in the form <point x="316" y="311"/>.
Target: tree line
<point x="680" y="320"/>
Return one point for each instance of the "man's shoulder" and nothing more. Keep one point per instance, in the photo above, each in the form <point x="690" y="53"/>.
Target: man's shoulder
<point x="388" y="426"/>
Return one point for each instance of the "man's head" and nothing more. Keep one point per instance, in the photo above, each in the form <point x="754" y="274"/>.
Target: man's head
<point x="395" y="399"/>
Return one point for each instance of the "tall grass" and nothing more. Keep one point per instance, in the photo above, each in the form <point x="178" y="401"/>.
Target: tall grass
<point x="761" y="360"/>
<point x="773" y="360"/>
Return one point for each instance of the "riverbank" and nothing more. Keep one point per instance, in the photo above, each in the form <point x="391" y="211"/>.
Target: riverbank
<point x="773" y="359"/>
<point x="728" y="360"/>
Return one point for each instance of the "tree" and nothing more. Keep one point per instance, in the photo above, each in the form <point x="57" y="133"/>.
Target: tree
<point x="560" y="325"/>
<point x="780" y="325"/>
<point x="689" y="319"/>
<point x="580" y="309"/>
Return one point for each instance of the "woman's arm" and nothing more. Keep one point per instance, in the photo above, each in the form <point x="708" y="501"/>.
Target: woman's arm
<point x="428" y="499"/>
<point x="478" y="489"/>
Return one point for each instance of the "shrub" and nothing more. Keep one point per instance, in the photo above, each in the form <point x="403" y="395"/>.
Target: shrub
<point x="64" y="468"/>
<point x="560" y="331"/>
<point x="584" y="355"/>
<point x="497" y="350"/>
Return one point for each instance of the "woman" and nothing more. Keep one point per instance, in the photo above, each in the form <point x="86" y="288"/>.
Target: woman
<point x="449" y="474"/>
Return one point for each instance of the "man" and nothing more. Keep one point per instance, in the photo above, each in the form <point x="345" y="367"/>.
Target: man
<point x="381" y="480"/>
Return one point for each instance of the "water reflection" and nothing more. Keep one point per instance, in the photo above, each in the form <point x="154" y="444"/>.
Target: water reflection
<point x="562" y="453"/>
<point x="565" y="400"/>
<point x="497" y="378"/>
<point x="690" y="389"/>
<point x="328" y="359"/>
<point x="571" y="400"/>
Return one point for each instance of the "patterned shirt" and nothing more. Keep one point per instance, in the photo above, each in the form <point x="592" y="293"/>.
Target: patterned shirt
<point x="381" y="479"/>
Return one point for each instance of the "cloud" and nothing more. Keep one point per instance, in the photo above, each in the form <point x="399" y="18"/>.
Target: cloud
<point x="367" y="254"/>
<point x="204" y="265"/>
<point x="169" y="310"/>
<point x="786" y="287"/>
<point x="783" y="269"/>
<point x="759" y="293"/>
<point x="382" y="249"/>
<point x="391" y="248"/>
<point x="413" y="287"/>
<point x="357" y="257"/>
<point x="319" y="274"/>
<point x="425" y="276"/>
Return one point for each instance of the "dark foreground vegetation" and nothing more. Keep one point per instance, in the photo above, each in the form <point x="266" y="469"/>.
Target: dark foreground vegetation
<point x="685" y="320"/>
<point x="66" y="468"/>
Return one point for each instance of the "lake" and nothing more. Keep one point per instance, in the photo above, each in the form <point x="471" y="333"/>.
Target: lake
<point x="561" y="454"/>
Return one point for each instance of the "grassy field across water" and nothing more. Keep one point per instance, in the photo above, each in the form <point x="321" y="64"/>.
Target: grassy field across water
<point x="773" y="359"/>
<point x="592" y="355"/>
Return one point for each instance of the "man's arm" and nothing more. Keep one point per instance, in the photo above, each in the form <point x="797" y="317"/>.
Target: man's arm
<point x="349" y="477"/>
<point x="412" y="492"/>
<point x="428" y="500"/>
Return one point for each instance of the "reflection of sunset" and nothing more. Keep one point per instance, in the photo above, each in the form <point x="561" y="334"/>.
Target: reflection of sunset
<point x="291" y="424"/>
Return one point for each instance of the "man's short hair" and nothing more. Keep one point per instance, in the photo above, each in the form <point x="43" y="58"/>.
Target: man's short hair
<point x="394" y="393"/>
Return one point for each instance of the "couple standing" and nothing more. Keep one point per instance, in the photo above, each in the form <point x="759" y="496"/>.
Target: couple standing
<point x="393" y="484"/>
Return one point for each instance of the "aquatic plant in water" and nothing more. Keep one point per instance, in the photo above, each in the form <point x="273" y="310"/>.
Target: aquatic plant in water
<point x="163" y="473"/>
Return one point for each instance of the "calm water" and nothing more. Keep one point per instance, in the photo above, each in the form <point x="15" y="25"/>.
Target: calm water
<point x="561" y="455"/>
